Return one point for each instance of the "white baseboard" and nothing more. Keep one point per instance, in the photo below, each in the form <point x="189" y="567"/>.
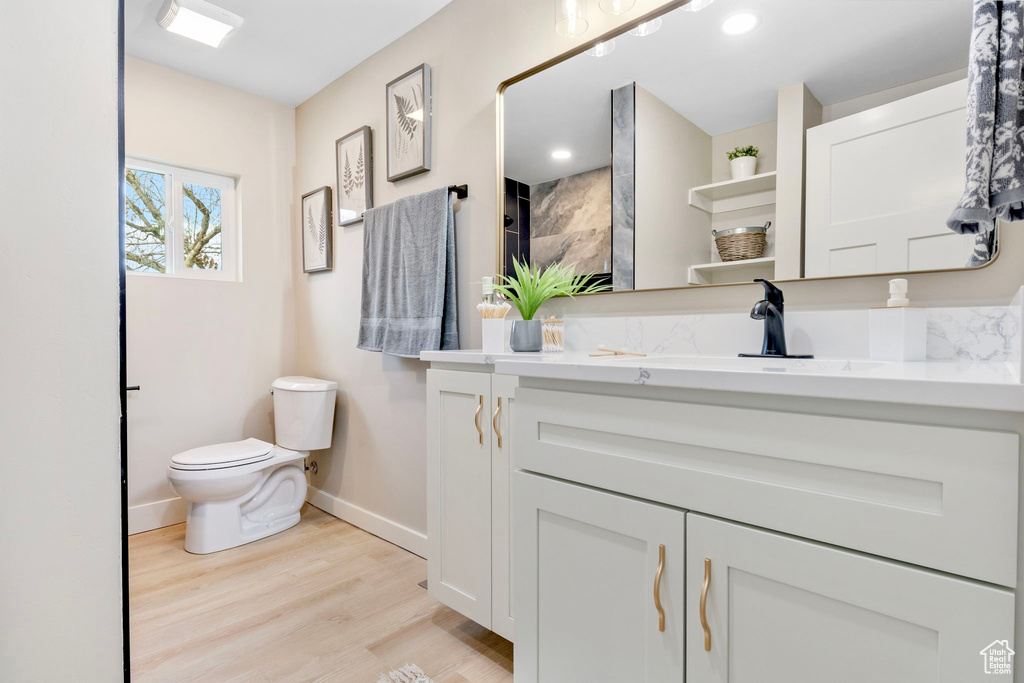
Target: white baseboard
<point x="155" y="515"/>
<point x="391" y="531"/>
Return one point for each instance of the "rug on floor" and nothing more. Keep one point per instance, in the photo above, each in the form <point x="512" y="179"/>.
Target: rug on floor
<point x="410" y="673"/>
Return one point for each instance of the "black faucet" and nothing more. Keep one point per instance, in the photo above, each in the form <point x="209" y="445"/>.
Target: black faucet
<point x="770" y="310"/>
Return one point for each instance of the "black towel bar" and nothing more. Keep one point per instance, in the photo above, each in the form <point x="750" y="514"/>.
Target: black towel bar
<point x="461" y="191"/>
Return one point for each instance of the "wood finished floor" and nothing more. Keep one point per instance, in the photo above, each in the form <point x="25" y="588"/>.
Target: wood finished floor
<point x="323" y="601"/>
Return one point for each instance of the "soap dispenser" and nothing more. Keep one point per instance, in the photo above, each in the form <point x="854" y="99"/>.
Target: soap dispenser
<point x="899" y="331"/>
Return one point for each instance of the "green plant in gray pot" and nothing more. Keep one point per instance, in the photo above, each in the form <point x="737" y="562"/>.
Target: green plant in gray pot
<point x="531" y="287"/>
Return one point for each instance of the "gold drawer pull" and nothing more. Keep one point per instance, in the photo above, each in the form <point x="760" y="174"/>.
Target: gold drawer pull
<point x="494" y="421"/>
<point x="704" y="604"/>
<point x="657" y="587"/>
<point x="476" y="420"/>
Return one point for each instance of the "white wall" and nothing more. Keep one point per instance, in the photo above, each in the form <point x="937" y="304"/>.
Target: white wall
<point x="763" y="136"/>
<point x="60" y="597"/>
<point x="377" y="462"/>
<point x="672" y="155"/>
<point x="205" y="352"/>
<point x="876" y="99"/>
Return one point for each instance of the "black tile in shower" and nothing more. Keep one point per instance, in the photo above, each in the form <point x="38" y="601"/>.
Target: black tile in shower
<point x="524" y="219"/>
<point x="511" y="251"/>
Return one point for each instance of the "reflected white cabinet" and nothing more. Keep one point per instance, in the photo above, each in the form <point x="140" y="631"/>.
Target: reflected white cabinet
<point x="468" y="494"/>
<point x="781" y="609"/>
<point x="602" y="585"/>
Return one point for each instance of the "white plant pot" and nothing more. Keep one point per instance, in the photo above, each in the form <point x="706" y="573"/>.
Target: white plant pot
<point x="743" y="167"/>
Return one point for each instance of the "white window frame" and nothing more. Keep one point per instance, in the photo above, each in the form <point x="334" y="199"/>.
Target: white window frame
<point x="175" y="178"/>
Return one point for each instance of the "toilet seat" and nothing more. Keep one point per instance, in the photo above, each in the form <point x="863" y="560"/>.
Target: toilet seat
<point x="223" y="455"/>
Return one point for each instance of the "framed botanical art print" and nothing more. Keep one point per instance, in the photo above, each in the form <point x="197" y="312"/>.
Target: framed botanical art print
<point x="408" y="124"/>
<point x="354" y="157"/>
<point x="317" y="252"/>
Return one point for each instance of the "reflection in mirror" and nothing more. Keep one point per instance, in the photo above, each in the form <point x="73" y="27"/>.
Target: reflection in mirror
<point x="658" y="158"/>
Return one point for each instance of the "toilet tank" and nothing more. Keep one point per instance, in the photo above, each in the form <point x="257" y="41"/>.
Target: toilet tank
<point x="303" y="412"/>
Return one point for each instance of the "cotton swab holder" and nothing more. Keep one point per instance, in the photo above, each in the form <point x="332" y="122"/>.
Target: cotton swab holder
<point x="493" y="314"/>
<point x="494" y="335"/>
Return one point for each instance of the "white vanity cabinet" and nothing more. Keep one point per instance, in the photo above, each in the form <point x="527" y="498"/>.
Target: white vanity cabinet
<point x="779" y="609"/>
<point x="468" y="484"/>
<point x="837" y="542"/>
<point x="602" y="585"/>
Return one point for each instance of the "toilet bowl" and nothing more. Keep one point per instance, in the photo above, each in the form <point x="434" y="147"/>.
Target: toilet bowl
<point x="242" y="491"/>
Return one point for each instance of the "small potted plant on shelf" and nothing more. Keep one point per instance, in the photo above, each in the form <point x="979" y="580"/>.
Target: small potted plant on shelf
<point x="743" y="161"/>
<point x="531" y="287"/>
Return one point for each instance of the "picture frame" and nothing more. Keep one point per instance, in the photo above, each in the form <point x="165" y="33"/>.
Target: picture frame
<point x="353" y="154"/>
<point x="408" y="105"/>
<point x="317" y="229"/>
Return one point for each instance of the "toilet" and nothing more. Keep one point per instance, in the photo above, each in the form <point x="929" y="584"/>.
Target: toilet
<point x="242" y="491"/>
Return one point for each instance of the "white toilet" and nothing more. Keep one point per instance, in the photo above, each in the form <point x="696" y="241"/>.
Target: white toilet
<point x="242" y="491"/>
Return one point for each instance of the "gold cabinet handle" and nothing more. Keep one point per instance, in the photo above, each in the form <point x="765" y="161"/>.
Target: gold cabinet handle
<point x="657" y="587"/>
<point x="494" y="421"/>
<point x="476" y="420"/>
<point x="704" y="604"/>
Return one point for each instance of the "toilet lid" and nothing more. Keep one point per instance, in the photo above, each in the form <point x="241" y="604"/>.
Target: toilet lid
<point x="231" y="454"/>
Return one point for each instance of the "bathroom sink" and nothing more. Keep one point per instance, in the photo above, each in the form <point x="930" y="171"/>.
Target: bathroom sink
<point x="802" y="365"/>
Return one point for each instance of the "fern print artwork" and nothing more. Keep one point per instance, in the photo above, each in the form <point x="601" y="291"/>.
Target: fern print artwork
<point x="355" y="175"/>
<point x="316" y="230"/>
<point x="408" y="100"/>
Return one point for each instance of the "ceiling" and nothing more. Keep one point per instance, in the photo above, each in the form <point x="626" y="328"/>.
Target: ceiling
<point x="284" y="51"/>
<point x="841" y="49"/>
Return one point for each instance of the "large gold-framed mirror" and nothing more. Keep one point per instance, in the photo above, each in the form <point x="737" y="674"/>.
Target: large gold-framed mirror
<point x="631" y="156"/>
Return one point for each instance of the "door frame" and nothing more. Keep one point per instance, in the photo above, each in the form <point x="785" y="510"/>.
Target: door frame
<point x="122" y="349"/>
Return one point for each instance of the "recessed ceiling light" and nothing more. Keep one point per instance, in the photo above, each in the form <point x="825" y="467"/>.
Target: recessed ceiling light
<point x="602" y="49"/>
<point x="561" y="154"/>
<point x="740" y="23"/>
<point x="198" y="20"/>
<point x="648" y="27"/>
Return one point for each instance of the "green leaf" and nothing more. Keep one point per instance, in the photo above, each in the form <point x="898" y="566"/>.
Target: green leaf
<point x="530" y="287"/>
<point x="748" y="151"/>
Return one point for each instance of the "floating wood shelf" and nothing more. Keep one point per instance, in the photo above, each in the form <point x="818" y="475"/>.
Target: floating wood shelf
<point x="731" y="195"/>
<point x="732" y="271"/>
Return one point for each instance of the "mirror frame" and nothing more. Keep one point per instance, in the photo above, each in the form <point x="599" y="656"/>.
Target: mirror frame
<point x="580" y="49"/>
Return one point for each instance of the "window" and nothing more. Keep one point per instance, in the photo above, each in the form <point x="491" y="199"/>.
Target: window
<point x="179" y="222"/>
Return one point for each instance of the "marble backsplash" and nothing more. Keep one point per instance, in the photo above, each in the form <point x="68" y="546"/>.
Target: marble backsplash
<point x="984" y="333"/>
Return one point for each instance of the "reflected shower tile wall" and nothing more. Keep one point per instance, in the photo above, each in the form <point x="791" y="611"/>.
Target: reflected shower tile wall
<point x="516" y="233"/>
<point x="623" y="185"/>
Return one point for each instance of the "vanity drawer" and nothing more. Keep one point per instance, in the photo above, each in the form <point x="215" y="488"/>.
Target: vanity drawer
<point x="939" y="497"/>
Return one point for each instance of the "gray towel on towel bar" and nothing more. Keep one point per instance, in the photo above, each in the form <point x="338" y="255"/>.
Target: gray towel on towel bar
<point x="408" y="302"/>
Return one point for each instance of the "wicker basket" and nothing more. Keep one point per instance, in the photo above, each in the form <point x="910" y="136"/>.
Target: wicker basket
<point x="740" y="244"/>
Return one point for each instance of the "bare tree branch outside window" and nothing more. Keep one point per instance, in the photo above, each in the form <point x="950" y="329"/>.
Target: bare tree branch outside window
<point x="146" y="228"/>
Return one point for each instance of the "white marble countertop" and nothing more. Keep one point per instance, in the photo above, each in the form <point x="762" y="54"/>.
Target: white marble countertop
<point x="957" y="384"/>
<point x="474" y="356"/>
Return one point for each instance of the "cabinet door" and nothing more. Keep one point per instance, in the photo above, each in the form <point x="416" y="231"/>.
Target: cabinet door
<point x="459" y="491"/>
<point x="587" y="564"/>
<point x="783" y="610"/>
<point x="503" y="389"/>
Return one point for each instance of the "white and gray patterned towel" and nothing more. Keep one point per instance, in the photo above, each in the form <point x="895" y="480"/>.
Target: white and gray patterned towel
<point x="995" y="126"/>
